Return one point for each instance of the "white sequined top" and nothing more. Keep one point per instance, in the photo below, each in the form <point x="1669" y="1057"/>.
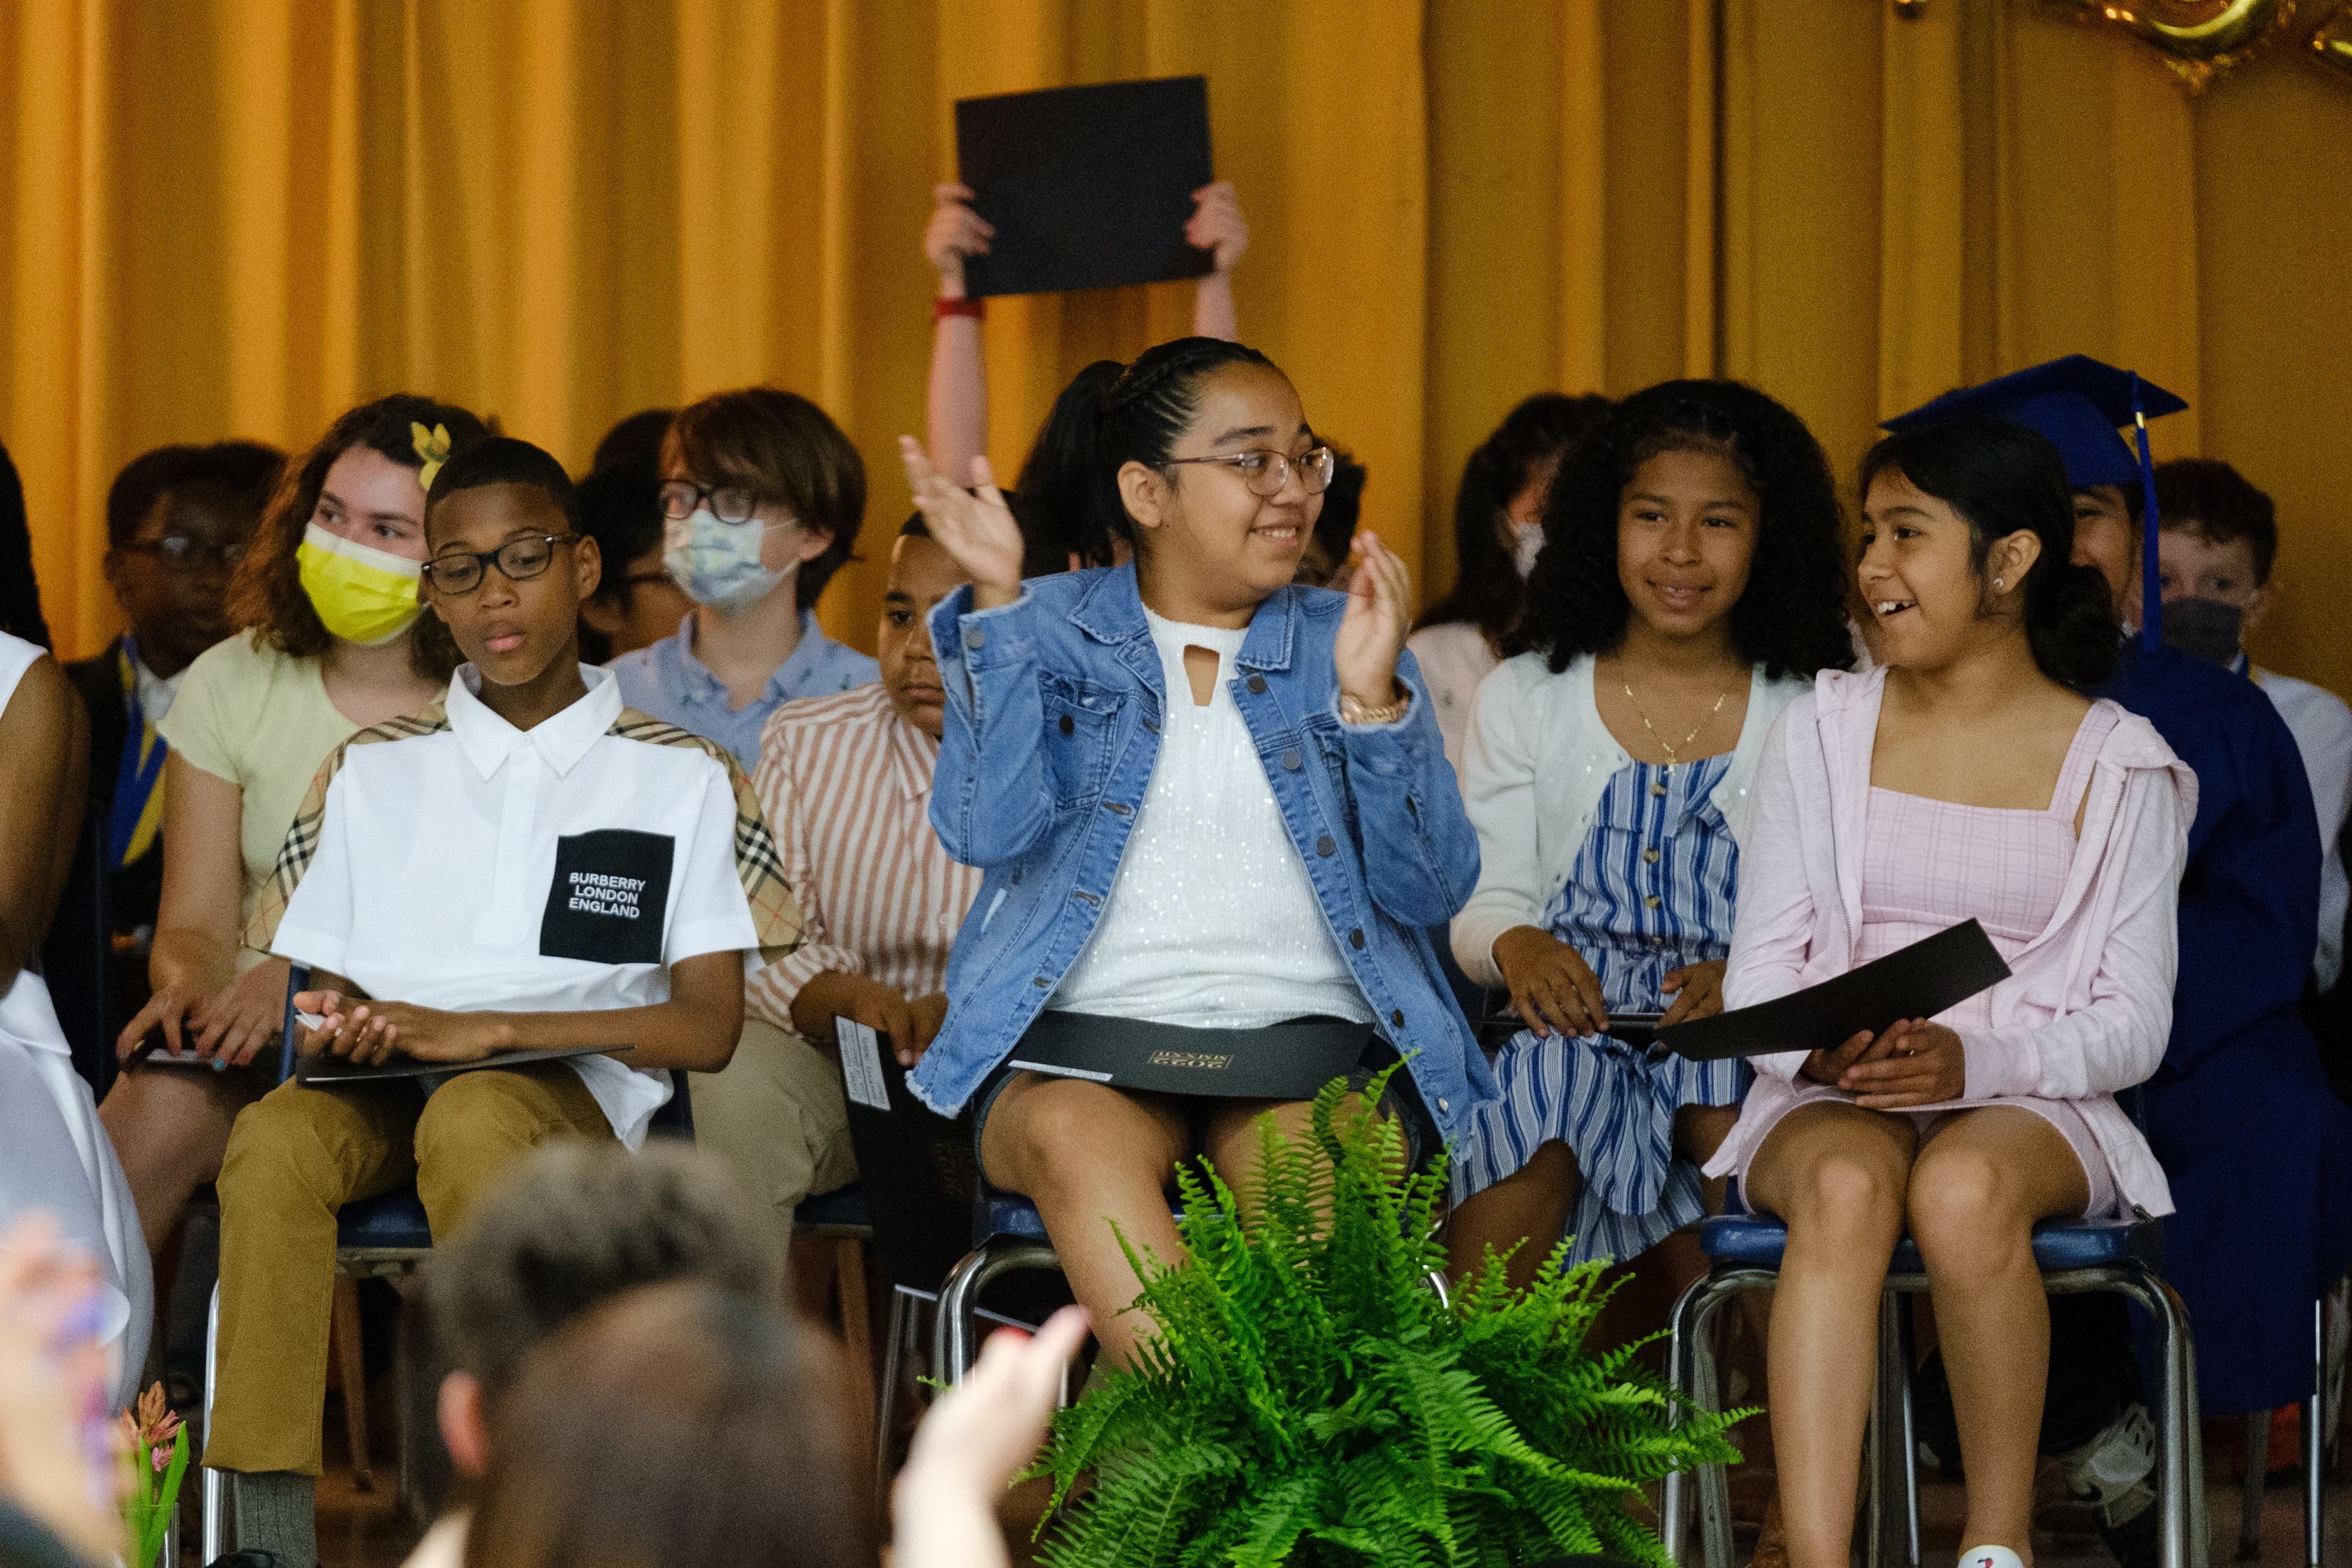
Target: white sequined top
<point x="1211" y="920"/>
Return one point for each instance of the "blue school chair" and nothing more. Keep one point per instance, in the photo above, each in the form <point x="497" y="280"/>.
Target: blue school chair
<point x="382" y="1236"/>
<point x="2072" y="1256"/>
<point x="1009" y="1238"/>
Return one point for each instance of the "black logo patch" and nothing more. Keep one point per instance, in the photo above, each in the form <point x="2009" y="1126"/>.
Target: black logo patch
<point x="611" y="890"/>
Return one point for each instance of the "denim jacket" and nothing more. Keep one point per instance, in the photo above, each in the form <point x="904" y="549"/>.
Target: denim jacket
<point x="1053" y="707"/>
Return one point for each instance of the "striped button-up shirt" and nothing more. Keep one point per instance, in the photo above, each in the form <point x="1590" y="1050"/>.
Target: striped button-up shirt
<point x="845" y="783"/>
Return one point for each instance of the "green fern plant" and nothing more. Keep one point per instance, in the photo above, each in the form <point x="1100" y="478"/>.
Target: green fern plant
<point x="1309" y="1399"/>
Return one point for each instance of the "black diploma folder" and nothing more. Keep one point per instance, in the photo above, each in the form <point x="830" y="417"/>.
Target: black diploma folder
<point x="1916" y="982"/>
<point x="1089" y="187"/>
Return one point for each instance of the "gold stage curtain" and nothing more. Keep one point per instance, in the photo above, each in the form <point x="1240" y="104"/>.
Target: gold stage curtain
<point x="237" y="217"/>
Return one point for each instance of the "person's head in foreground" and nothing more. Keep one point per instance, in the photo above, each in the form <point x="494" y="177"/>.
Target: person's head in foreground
<point x="680" y="1424"/>
<point x="337" y="554"/>
<point x="921" y="574"/>
<point x="1693" y="515"/>
<point x="575" y="1225"/>
<point x="1968" y="541"/>
<point x="2218" y="540"/>
<point x="507" y="572"/>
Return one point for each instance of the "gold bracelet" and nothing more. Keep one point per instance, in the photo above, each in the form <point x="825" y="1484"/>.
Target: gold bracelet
<point x="1352" y="711"/>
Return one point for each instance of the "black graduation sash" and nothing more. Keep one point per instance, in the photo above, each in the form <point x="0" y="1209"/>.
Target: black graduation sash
<point x="1289" y="1061"/>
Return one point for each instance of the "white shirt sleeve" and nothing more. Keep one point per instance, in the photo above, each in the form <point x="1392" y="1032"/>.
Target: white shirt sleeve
<point x="316" y="929"/>
<point x="1498" y="791"/>
<point x="711" y="914"/>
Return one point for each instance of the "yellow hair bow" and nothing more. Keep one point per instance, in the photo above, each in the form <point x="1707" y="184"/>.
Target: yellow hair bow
<point x="433" y="445"/>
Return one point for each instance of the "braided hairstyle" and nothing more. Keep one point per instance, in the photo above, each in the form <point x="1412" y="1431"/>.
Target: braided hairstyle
<point x="1791" y="617"/>
<point x="1147" y="411"/>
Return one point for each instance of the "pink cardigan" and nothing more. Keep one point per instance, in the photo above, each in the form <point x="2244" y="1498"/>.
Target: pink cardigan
<point x="2088" y="1004"/>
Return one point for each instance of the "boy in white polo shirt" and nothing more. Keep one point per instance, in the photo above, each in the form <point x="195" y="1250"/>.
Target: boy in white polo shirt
<point x="524" y="863"/>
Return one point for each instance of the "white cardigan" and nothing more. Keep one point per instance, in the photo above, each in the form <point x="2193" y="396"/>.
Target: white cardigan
<point x="1538" y="759"/>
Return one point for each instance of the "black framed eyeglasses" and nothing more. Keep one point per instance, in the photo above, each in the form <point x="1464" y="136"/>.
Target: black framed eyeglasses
<point x="1265" y="472"/>
<point x="457" y="572"/>
<point x="180" y="550"/>
<point x="728" y="503"/>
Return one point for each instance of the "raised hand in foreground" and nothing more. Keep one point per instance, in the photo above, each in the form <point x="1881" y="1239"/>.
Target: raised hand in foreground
<point x="976" y="1438"/>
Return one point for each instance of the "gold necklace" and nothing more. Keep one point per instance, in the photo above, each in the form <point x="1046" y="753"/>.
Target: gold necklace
<point x="1673" y="752"/>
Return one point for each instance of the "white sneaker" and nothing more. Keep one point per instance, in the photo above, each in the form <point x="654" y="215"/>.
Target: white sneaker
<point x="1991" y="1557"/>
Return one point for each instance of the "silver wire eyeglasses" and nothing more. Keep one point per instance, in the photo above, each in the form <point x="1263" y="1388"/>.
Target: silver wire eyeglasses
<point x="1265" y="472"/>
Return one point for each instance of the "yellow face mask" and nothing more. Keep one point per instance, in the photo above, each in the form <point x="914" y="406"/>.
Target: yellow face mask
<point x="362" y="595"/>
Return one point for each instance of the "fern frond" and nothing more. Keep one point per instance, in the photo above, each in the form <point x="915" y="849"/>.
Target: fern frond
<point x="1308" y="1399"/>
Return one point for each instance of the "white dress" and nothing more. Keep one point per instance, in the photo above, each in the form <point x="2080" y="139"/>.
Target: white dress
<point x="53" y="1154"/>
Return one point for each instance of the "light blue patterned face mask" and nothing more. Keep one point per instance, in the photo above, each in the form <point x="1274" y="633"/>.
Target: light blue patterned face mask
<point x="1526" y="543"/>
<point x="717" y="563"/>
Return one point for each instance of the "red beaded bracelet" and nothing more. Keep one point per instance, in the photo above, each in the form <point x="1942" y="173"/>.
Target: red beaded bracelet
<point x="942" y="309"/>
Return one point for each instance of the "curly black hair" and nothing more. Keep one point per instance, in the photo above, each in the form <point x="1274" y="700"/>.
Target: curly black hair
<point x="1791" y="619"/>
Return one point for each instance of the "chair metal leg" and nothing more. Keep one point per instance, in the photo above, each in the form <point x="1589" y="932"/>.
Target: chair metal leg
<point x="1672" y="1506"/>
<point x="856" y="1313"/>
<point x="1906" y="1432"/>
<point x="1706" y="1389"/>
<point x="885" y="1405"/>
<point x="214" y="1520"/>
<point x="2249" y="1490"/>
<point x="955" y="1333"/>
<point x="1892" y="1483"/>
<point x="2314" y="1498"/>
<point x="1692" y="1368"/>
<point x="351" y="1370"/>
<point x="2185" y="1541"/>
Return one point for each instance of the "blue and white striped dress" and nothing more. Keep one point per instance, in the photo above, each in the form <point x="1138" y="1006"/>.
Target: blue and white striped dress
<point x="1650" y="891"/>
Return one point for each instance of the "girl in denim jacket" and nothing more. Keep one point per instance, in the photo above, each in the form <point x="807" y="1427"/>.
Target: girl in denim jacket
<point x="1212" y="807"/>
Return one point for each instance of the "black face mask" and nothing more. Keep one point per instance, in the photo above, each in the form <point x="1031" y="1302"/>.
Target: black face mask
<point x="2206" y="629"/>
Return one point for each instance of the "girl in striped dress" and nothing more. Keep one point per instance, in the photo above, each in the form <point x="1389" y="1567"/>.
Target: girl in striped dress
<point x="1690" y="585"/>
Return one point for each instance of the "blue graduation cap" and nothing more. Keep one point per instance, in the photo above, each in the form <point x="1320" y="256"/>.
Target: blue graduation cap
<point x="2076" y="403"/>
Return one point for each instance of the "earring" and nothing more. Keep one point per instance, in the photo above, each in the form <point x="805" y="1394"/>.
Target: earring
<point x="1999" y="584"/>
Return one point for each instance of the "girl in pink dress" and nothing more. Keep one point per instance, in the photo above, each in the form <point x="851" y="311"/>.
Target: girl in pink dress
<point x="1968" y="777"/>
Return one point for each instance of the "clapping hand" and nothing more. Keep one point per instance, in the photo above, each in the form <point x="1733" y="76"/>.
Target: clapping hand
<point x="975" y="526"/>
<point x="1216" y="224"/>
<point x="954" y="233"/>
<point x="1378" y="619"/>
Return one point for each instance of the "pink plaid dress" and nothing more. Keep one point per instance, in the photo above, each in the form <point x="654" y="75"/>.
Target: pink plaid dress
<point x="1929" y="864"/>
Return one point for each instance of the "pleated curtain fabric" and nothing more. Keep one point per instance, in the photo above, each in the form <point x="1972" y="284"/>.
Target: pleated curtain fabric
<point x="237" y="216"/>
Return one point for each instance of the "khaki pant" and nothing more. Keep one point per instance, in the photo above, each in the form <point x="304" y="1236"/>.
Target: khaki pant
<point x="295" y="1156"/>
<point x="778" y="1118"/>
